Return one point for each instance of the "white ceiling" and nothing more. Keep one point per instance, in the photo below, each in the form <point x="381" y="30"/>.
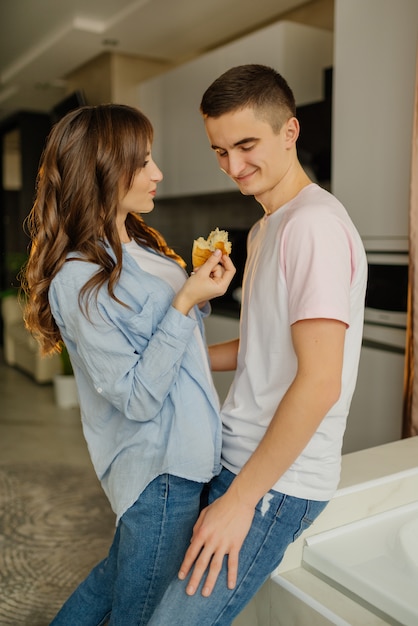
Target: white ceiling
<point x="42" y="41"/>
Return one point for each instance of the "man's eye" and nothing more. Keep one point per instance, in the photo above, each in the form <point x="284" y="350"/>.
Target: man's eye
<point x="247" y="148"/>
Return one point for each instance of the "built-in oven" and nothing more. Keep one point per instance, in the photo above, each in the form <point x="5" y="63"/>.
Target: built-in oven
<point x="386" y="298"/>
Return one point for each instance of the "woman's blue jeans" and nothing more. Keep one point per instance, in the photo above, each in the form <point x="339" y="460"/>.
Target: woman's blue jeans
<point x="147" y="550"/>
<point x="278" y="521"/>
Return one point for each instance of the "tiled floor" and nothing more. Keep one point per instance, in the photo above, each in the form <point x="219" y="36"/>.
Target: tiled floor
<point x="55" y="521"/>
<point x="33" y="427"/>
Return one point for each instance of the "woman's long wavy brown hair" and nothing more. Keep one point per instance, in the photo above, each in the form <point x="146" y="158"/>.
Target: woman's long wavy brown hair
<point x="89" y="154"/>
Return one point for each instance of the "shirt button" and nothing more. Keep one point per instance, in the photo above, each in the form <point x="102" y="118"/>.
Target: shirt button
<point x="99" y="390"/>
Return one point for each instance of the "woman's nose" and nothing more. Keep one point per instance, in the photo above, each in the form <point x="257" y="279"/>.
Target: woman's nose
<point x="157" y="174"/>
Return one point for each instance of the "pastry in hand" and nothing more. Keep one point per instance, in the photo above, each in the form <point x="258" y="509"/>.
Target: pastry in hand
<point x="203" y="248"/>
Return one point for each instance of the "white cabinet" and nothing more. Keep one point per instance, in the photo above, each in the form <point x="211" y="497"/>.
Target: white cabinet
<point x="375" y="414"/>
<point x="219" y="328"/>
<point x="374" y="81"/>
<point x="172" y="100"/>
<point x="181" y="148"/>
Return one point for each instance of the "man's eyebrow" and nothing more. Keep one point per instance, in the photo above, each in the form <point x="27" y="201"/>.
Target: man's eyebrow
<point x="238" y="143"/>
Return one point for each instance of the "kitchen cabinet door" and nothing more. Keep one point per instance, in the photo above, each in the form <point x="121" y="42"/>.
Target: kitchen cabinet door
<point x="189" y="165"/>
<point x="219" y="328"/>
<point x="375" y="415"/>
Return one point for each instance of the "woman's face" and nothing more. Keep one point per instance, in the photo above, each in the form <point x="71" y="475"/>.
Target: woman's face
<point x="140" y="196"/>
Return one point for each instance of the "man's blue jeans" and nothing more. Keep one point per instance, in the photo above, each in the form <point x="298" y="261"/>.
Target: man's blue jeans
<point x="147" y="550"/>
<point x="278" y="521"/>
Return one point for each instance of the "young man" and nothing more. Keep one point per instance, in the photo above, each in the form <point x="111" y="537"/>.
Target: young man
<point x="296" y="360"/>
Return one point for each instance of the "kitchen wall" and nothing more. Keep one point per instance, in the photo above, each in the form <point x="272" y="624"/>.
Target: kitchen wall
<point x="374" y="79"/>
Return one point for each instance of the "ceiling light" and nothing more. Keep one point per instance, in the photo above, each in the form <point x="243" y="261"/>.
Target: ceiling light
<point x="110" y="43"/>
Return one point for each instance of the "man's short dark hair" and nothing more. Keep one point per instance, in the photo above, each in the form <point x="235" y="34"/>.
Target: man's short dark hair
<point x="255" y="86"/>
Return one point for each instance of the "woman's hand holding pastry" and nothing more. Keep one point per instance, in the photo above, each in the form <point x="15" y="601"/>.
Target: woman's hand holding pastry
<point x="210" y="281"/>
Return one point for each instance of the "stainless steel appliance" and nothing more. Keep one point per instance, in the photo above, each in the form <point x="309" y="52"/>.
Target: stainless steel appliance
<point x="386" y="298"/>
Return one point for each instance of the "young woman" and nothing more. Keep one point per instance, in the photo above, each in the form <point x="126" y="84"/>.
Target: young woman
<point x="105" y="284"/>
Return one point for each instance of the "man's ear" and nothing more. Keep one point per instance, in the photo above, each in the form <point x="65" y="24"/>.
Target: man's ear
<point x="292" y="130"/>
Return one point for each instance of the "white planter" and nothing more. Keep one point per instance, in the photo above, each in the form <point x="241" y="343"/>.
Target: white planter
<point x="65" y="391"/>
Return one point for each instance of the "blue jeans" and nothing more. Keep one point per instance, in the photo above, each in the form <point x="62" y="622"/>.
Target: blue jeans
<point x="147" y="550"/>
<point x="279" y="520"/>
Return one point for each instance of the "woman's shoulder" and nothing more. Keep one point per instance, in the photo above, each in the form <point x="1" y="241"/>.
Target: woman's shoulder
<point x="76" y="270"/>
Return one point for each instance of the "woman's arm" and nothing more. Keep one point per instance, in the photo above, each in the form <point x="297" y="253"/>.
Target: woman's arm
<point x="131" y="364"/>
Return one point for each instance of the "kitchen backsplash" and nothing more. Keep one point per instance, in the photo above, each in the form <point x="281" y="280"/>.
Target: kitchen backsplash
<point x="183" y="219"/>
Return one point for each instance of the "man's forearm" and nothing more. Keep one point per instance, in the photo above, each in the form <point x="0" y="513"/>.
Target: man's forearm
<point x="223" y="356"/>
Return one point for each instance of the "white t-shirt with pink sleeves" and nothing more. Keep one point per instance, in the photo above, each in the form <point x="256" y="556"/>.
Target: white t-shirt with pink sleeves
<point x="304" y="261"/>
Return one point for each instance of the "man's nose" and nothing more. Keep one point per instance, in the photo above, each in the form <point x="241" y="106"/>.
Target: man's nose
<point x="235" y="165"/>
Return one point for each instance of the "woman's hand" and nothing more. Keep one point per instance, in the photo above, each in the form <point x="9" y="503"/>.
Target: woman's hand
<point x="210" y="281"/>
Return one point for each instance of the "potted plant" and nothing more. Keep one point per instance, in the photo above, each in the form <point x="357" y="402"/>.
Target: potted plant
<point x="65" y="388"/>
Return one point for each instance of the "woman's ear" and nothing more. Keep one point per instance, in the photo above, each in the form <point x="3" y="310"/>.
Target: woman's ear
<point x="292" y="131"/>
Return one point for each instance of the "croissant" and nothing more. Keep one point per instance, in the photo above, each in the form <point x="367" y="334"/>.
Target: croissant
<point x="203" y="248"/>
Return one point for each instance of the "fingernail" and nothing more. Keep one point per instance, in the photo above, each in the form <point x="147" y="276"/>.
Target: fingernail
<point x="217" y="252"/>
<point x="190" y="590"/>
<point x="181" y="575"/>
<point x="205" y="591"/>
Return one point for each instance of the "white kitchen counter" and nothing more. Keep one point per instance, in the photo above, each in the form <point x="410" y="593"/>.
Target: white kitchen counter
<point x="373" y="481"/>
<point x="374" y="561"/>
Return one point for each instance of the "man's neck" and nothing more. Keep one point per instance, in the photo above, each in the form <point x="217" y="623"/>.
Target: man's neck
<point x="287" y="190"/>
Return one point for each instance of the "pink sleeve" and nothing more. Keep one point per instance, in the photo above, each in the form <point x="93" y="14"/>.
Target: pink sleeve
<point x="317" y="263"/>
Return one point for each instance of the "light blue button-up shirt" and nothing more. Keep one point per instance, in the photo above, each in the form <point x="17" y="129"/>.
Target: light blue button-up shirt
<point x="147" y="406"/>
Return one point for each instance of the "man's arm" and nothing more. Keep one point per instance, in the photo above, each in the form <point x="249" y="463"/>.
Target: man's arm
<point x="223" y="356"/>
<point x="223" y="526"/>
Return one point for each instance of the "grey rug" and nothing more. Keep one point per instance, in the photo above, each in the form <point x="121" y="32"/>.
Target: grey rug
<point x="55" y="525"/>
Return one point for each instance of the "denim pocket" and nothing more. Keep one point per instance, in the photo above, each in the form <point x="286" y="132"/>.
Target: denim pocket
<point x="312" y="509"/>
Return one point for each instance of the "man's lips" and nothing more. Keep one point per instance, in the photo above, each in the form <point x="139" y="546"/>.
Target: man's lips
<point x="244" y="177"/>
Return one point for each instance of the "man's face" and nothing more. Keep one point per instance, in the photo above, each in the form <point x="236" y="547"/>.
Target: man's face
<point x="249" y="151"/>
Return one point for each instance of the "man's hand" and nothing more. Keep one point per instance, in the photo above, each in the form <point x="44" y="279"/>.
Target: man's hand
<point x="219" y="531"/>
